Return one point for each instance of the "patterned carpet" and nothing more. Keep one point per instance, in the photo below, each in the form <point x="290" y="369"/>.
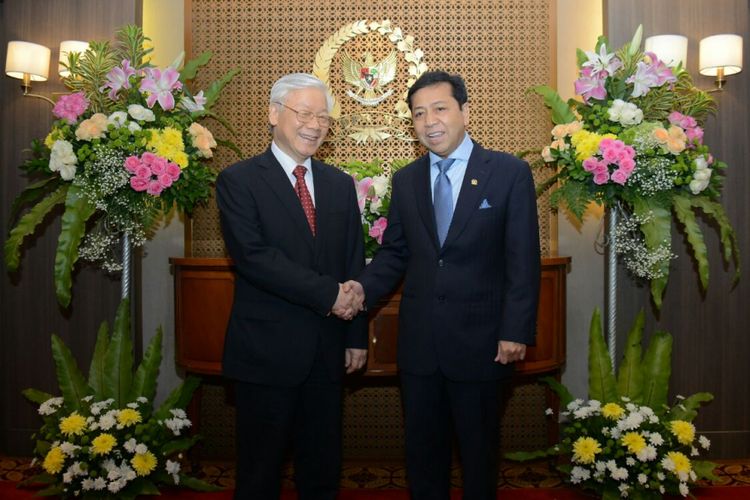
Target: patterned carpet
<point x="539" y="474"/>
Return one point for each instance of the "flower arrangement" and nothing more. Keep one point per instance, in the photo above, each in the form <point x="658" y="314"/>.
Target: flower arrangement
<point x="635" y="144"/>
<point x="624" y="441"/>
<point x="126" y="147"/>
<point x="102" y="438"/>
<point x="373" y="186"/>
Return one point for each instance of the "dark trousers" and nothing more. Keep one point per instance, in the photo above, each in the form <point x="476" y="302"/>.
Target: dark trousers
<point x="431" y="404"/>
<point x="268" y="418"/>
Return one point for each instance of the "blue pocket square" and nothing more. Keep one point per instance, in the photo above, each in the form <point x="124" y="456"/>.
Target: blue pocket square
<point x="485" y="204"/>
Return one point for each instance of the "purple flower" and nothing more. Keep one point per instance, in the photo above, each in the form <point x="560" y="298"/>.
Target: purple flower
<point x="648" y="75"/>
<point x="602" y="64"/>
<point x="378" y="228"/>
<point x="159" y="86"/>
<point x="69" y="107"/>
<point x="695" y="135"/>
<point x="590" y="85"/>
<point x="118" y="78"/>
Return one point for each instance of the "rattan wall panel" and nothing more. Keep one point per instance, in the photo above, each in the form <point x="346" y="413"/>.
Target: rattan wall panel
<point x="501" y="48"/>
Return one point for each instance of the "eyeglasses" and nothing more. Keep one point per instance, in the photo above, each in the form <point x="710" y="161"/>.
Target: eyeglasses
<point x="306" y="116"/>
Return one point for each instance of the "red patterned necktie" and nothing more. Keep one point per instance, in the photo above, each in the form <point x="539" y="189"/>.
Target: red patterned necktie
<point x="300" y="187"/>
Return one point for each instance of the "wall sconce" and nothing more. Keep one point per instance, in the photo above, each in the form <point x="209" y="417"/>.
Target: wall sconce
<point x="28" y="62"/>
<point x="720" y="56"/>
<point x="672" y="49"/>
<point x="67" y="47"/>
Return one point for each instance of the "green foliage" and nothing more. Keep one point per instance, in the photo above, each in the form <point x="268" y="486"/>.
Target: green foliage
<point x="98" y="366"/>
<point x="144" y="382"/>
<point x="212" y="93"/>
<point x="630" y="376"/>
<point x="602" y="385"/>
<point x="72" y="383"/>
<point x="687" y="410"/>
<point x="559" y="110"/>
<point x="657" y="369"/>
<point x="684" y="212"/>
<point x="728" y="238"/>
<point x="190" y="69"/>
<point x="657" y="230"/>
<point x="118" y="359"/>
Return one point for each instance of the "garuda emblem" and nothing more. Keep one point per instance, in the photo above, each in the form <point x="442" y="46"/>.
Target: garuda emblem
<point x="369" y="78"/>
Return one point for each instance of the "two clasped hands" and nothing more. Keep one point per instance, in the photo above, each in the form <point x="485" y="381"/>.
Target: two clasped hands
<point x="350" y="302"/>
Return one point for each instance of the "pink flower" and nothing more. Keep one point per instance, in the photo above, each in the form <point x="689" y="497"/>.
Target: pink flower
<point x="154" y="188"/>
<point x="601" y="169"/>
<point x="589" y="85"/>
<point x="138" y="183"/>
<point x="159" y="165"/>
<point x="132" y="163"/>
<point x="601" y="178"/>
<point x="363" y="190"/>
<point x="165" y="180"/>
<point x="70" y="106"/>
<point x="173" y="170"/>
<point x="627" y="165"/>
<point x="148" y="158"/>
<point x="618" y="176"/>
<point x="683" y="121"/>
<point x="118" y="78"/>
<point x="610" y="155"/>
<point x="695" y="135"/>
<point x="590" y="164"/>
<point x="377" y="229"/>
<point x="143" y="171"/>
<point x="159" y="86"/>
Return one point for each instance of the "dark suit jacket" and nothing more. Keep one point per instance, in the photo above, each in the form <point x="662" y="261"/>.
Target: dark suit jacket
<point x="286" y="279"/>
<point x="482" y="286"/>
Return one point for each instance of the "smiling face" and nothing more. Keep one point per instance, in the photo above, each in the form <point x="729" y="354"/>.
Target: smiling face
<point x="439" y="121"/>
<point x="299" y="140"/>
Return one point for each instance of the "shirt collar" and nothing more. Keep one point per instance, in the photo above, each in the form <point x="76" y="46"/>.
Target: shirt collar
<point x="286" y="161"/>
<point x="461" y="153"/>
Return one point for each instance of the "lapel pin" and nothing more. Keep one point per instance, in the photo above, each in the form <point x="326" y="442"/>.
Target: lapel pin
<point x="474" y="182"/>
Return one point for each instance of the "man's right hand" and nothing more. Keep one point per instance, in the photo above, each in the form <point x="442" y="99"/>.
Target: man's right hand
<point x="350" y="300"/>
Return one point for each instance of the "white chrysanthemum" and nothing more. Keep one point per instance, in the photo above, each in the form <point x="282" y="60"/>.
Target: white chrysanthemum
<point x="173" y="468"/>
<point x="141" y="449"/>
<point x="178" y="412"/>
<point x="642" y="478"/>
<point x="50" y="406"/>
<point x="87" y="398"/>
<point x="68" y="448"/>
<point x="647" y="454"/>
<point x="573" y="405"/>
<point x="62" y="159"/>
<point x="549" y="411"/>
<point x="630" y="461"/>
<point x="100" y="483"/>
<point x="624" y="488"/>
<point x="107" y="421"/>
<point x="130" y="445"/>
<point x="704" y="442"/>
<point x="579" y="474"/>
<point x="141" y="399"/>
<point x="118" y="118"/>
<point x="87" y="484"/>
<point x="684" y="490"/>
<point x="656" y="439"/>
<point x="140" y="113"/>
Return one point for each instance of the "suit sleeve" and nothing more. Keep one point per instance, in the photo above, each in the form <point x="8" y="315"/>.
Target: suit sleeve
<point x="388" y="265"/>
<point x="522" y="263"/>
<point x="356" y="334"/>
<point x="262" y="264"/>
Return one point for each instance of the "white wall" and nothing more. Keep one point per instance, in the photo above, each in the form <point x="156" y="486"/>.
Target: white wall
<point x="579" y="23"/>
<point x="163" y="22"/>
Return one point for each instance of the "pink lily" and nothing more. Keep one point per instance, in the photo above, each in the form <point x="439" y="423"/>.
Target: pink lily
<point x="118" y="78"/>
<point x="590" y="85"/>
<point x="159" y="86"/>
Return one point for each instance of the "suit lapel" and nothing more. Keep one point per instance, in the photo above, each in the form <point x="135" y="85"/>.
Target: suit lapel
<point x="423" y="197"/>
<point x="473" y="186"/>
<point x="324" y="192"/>
<point x="279" y="183"/>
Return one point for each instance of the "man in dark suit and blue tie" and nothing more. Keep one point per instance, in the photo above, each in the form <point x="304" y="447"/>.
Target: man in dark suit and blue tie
<point x="463" y="233"/>
<point x="292" y="227"/>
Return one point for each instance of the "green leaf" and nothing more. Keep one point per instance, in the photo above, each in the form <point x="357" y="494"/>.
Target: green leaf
<point x="78" y="209"/>
<point x="562" y="392"/>
<point x="705" y="470"/>
<point x="190" y="69"/>
<point x="144" y="382"/>
<point x="230" y="145"/>
<point x="629" y="375"/>
<point x="148" y="488"/>
<point x="687" y="409"/>
<point x="178" y="398"/>
<point x="213" y="91"/>
<point x="543" y="186"/>
<point x="657" y="369"/>
<point x="176" y="445"/>
<point x="43" y="478"/>
<point x="197" y="484"/>
<point x="98" y="365"/>
<point x="602" y="386"/>
<point x="574" y="195"/>
<point x="657" y="231"/>
<point x="118" y="375"/>
<point x="728" y="237"/>
<point x="32" y="194"/>
<point x="525" y="456"/>
<point x="51" y="491"/>
<point x="559" y="109"/>
<point x="72" y="383"/>
<point x="28" y="224"/>
<point x="36" y="396"/>
<point x="684" y="212"/>
<point x="581" y="57"/>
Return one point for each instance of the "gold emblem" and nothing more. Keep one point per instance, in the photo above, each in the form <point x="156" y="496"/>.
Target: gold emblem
<point x="474" y="182"/>
<point x="371" y="80"/>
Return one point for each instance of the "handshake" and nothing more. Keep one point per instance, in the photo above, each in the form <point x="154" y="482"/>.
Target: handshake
<point x="350" y="300"/>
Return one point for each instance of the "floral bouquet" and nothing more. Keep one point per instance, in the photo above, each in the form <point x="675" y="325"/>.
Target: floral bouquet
<point x="374" y="196"/>
<point x="625" y="441"/>
<point x="125" y="149"/>
<point x="102" y="438"/>
<point x="635" y="144"/>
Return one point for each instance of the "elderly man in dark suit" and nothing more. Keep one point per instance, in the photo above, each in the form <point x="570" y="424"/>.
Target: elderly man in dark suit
<point x="463" y="230"/>
<point x="292" y="226"/>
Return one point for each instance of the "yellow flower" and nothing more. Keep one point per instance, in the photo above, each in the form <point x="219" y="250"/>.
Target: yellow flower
<point x="73" y="424"/>
<point x="587" y="143"/>
<point x="683" y="431"/>
<point x="103" y="444"/>
<point x="128" y="416"/>
<point x="143" y="463"/>
<point x="681" y="463"/>
<point x="612" y="411"/>
<point x="585" y="450"/>
<point x="168" y="144"/>
<point x="54" y="460"/>
<point x="633" y="441"/>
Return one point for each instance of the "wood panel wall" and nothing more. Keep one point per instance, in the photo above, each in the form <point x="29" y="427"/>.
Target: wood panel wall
<point x="711" y="330"/>
<point x="28" y="309"/>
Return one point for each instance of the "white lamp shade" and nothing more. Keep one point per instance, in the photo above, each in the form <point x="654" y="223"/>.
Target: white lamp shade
<point x="66" y="47"/>
<point x="720" y="51"/>
<point x="29" y="58"/>
<point x="672" y="49"/>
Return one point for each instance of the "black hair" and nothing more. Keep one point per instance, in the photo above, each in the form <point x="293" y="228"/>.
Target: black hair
<point x="458" y="86"/>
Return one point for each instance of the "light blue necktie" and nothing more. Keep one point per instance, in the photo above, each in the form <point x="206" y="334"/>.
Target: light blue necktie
<point x="443" y="199"/>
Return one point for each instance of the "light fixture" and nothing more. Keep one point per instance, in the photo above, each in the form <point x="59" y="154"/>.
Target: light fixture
<point x="68" y="47"/>
<point x="28" y="62"/>
<point x="672" y="49"/>
<point x="720" y="56"/>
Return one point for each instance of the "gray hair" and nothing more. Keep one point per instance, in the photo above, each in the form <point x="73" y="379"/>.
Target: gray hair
<point x="297" y="81"/>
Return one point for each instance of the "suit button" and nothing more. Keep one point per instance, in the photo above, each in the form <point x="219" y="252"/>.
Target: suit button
<point x="440" y="263"/>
